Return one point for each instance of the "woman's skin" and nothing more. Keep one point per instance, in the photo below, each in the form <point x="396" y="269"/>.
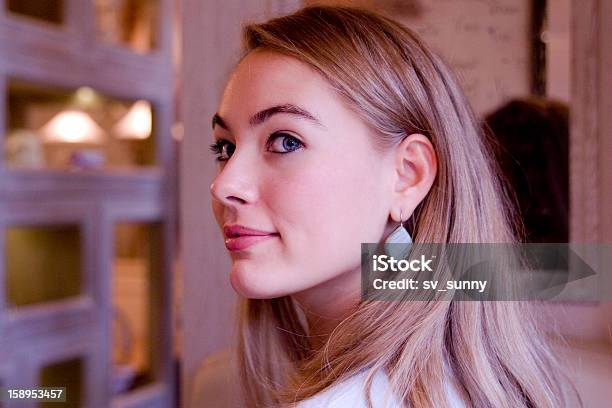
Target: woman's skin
<point x="307" y="172"/>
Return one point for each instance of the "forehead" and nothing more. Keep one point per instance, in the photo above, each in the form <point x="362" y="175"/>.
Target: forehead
<point x="264" y="79"/>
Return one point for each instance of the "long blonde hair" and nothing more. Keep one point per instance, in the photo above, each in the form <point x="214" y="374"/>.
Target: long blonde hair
<point x="493" y="350"/>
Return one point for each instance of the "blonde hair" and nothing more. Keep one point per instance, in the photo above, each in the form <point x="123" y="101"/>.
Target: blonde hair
<point x="493" y="350"/>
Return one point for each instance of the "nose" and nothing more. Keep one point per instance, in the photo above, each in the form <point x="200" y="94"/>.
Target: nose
<point x="235" y="184"/>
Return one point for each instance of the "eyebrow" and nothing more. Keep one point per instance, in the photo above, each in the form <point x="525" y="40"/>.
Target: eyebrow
<point x="266" y="114"/>
<point x="217" y="120"/>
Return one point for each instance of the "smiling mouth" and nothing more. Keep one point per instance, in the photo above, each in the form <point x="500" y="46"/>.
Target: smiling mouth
<point x="241" y="242"/>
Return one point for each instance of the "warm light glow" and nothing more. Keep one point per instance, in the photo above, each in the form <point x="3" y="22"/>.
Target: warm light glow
<point x="86" y="95"/>
<point x="72" y="126"/>
<point x="136" y="124"/>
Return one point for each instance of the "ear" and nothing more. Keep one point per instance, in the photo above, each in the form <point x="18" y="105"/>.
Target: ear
<point x="416" y="166"/>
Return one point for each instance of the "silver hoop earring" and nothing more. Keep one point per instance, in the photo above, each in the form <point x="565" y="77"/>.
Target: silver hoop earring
<point x="399" y="236"/>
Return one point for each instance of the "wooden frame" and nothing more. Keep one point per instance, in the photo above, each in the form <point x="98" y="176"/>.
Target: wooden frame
<point x="584" y="123"/>
<point x="69" y="56"/>
<point x="31" y="320"/>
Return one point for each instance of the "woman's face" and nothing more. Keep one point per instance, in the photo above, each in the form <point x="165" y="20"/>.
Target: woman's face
<point x="298" y="165"/>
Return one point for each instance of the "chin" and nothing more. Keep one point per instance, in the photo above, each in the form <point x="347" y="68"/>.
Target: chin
<point x="253" y="285"/>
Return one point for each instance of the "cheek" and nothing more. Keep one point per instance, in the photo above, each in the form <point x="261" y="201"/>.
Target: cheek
<point x="324" y="213"/>
<point x="305" y="201"/>
<point x="217" y="209"/>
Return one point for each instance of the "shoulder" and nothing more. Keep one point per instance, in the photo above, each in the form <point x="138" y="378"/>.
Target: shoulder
<point x="216" y="383"/>
<point x="352" y="393"/>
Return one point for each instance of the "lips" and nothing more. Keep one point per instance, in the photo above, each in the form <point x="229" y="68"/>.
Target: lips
<point x="239" y="237"/>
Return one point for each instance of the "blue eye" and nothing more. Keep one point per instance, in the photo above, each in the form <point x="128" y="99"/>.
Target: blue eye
<point x="281" y="143"/>
<point x="287" y="143"/>
<point x="223" y="149"/>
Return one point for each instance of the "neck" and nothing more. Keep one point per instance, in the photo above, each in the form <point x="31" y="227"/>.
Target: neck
<point x="328" y="303"/>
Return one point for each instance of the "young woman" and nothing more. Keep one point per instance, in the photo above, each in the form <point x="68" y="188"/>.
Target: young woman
<point x="338" y="127"/>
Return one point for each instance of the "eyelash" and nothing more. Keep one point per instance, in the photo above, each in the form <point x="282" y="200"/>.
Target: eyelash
<point x="217" y="147"/>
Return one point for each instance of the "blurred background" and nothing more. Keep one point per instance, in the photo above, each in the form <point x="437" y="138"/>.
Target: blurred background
<point x="113" y="272"/>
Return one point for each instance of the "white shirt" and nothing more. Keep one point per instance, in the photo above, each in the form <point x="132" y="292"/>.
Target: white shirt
<point x="216" y="386"/>
<point x="351" y="393"/>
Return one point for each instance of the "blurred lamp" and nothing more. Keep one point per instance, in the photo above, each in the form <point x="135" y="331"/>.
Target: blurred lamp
<point x="72" y="126"/>
<point x="85" y="96"/>
<point x="137" y="123"/>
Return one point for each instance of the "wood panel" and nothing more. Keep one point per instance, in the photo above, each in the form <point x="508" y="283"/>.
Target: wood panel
<point x="70" y="56"/>
<point x="585" y="122"/>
